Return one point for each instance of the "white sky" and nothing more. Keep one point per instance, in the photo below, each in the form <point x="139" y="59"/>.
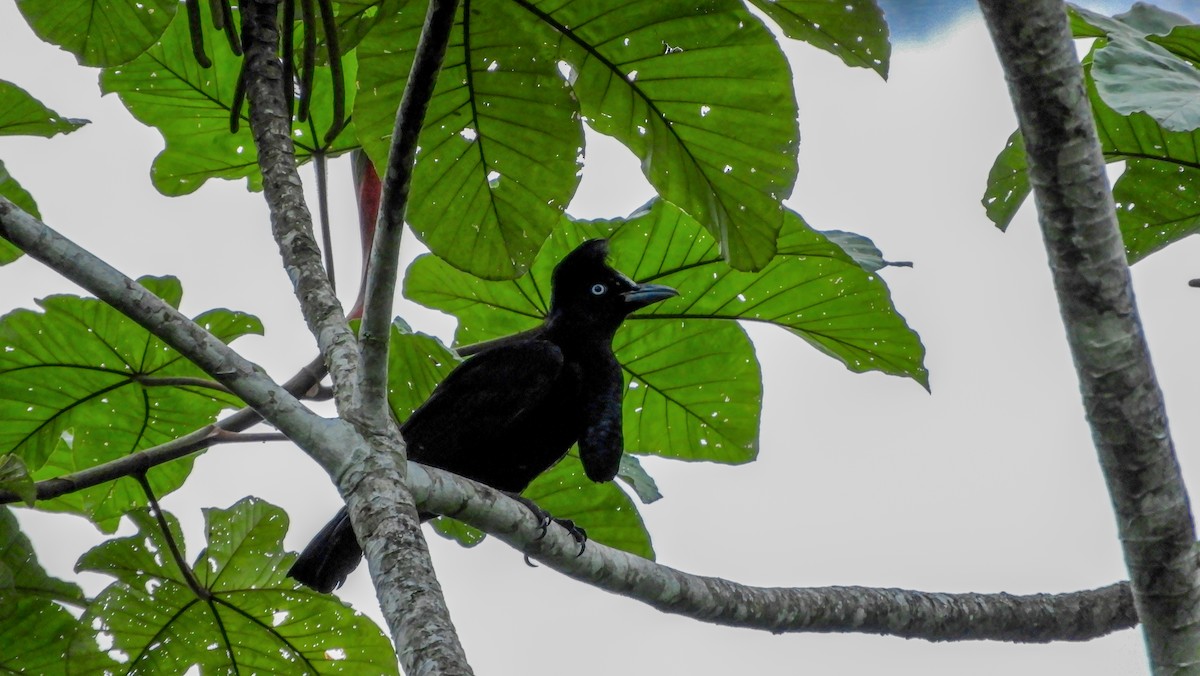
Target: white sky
<point x="989" y="484"/>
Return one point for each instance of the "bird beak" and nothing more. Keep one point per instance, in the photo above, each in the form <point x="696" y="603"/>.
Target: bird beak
<point x="647" y="294"/>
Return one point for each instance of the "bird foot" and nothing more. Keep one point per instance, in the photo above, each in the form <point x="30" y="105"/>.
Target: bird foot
<point x="545" y="519"/>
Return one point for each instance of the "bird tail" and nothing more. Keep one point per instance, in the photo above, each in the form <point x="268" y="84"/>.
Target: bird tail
<point x="330" y="557"/>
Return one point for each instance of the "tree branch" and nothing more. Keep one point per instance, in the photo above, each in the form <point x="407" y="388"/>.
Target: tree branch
<point x="1087" y="259"/>
<point x="291" y="221"/>
<point x="384" y="265"/>
<point x="931" y="616"/>
<point x="215" y="358"/>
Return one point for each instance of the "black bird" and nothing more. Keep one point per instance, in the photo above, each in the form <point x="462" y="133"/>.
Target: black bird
<point x="513" y="410"/>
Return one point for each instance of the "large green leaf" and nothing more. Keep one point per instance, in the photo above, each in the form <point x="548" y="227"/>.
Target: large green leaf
<point x="853" y="30"/>
<point x="694" y="382"/>
<point x="166" y="89"/>
<point x="255" y="619"/>
<point x="499" y="147"/>
<point x="23" y="115"/>
<point x="36" y="631"/>
<point x="1155" y="196"/>
<point x="701" y="92"/>
<point x="81" y="384"/>
<point x="99" y="32"/>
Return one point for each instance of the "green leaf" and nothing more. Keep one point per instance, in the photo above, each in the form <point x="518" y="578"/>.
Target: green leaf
<point x="636" y="477"/>
<point x="257" y="621"/>
<point x="23" y="115"/>
<point x="1141" y="20"/>
<point x="852" y="30"/>
<point x="81" y="384"/>
<point x="1157" y="204"/>
<point x="1136" y="75"/>
<point x="862" y="250"/>
<point x="701" y="92"/>
<point x="498" y="151"/>
<point x="166" y="89"/>
<point x="35" y="630"/>
<point x="603" y="510"/>
<point x="100" y="32"/>
<point x="1007" y="183"/>
<point x="14" y="476"/>
<point x="1155" y="198"/>
<point x="416" y="364"/>
<point x="11" y="190"/>
<point x="812" y="288"/>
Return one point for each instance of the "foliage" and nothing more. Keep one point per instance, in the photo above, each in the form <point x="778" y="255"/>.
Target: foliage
<point x="700" y="92"/>
<point x="1142" y="76"/>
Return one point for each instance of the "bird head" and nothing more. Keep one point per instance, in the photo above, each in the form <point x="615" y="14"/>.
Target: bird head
<point x="587" y="293"/>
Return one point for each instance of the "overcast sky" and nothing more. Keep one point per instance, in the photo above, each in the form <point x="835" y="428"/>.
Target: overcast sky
<point x="988" y="484"/>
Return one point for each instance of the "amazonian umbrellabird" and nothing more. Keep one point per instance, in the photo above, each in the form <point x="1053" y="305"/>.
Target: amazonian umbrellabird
<point x="512" y="411"/>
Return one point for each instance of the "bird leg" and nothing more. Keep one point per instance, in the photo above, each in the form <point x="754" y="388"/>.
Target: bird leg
<point x="545" y="519"/>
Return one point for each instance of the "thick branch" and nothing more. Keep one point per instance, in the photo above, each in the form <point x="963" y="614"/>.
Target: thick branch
<point x="384" y="265"/>
<point x="217" y="359"/>
<point x="1038" y="618"/>
<point x="385" y="519"/>
<point x="1120" y="393"/>
<point x="291" y="221"/>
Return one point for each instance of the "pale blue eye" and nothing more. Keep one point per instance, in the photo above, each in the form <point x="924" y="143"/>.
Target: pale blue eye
<point x="598" y="290"/>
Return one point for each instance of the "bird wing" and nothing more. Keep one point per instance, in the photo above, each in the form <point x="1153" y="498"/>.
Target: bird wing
<point x="602" y="442"/>
<point x="484" y="395"/>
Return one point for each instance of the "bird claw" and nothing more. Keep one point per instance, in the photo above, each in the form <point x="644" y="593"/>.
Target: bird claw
<point x="545" y="519"/>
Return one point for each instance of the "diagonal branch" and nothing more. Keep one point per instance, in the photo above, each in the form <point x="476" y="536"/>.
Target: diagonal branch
<point x="931" y="616"/>
<point x="1121" y="396"/>
<point x="239" y="375"/>
<point x="384" y="266"/>
<point x="291" y="221"/>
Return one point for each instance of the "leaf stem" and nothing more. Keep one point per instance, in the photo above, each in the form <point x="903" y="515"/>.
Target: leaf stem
<point x="198" y="589"/>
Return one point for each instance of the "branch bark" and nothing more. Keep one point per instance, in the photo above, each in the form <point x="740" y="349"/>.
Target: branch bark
<point x="371" y="480"/>
<point x="291" y="220"/>
<point x="239" y="375"/>
<point x="1087" y="259"/>
<point x="931" y="616"/>
<point x="383" y="266"/>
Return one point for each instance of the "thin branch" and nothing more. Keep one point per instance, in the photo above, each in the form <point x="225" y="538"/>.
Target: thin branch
<point x="224" y="431"/>
<point x="931" y="616"/>
<point x="180" y="381"/>
<point x="384" y="265"/>
<point x="323" y="216"/>
<point x="214" y="357"/>
<point x="1121" y="397"/>
<point x="291" y="221"/>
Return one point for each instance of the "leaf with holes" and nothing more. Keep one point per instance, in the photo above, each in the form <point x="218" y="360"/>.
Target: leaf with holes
<point x="81" y="384"/>
<point x="1155" y="195"/>
<point x="498" y="151"/>
<point x="253" y="619"/>
<point x="693" y="383"/>
<point x="701" y="92"/>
